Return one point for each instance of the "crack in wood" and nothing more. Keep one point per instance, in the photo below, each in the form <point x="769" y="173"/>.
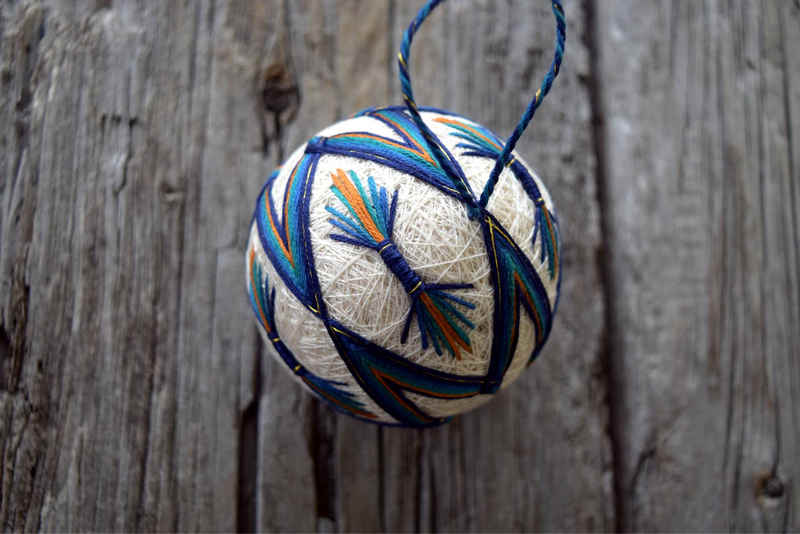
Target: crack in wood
<point x="418" y="481"/>
<point x="15" y="330"/>
<point x="610" y="342"/>
<point x="433" y="503"/>
<point x="322" y="451"/>
<point x="5" y="354"/>
<point x="247" y="488"/>
<point x="280" y="101"/>
<point x="381" y="480"/>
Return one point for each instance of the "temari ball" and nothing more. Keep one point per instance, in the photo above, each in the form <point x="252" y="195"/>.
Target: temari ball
<point x="382" y="284"/>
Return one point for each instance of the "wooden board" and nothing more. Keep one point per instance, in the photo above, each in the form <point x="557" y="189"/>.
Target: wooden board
<point x="699" y="102"/>
<point x="538" y="457"/>
<point x="135" y="393"/>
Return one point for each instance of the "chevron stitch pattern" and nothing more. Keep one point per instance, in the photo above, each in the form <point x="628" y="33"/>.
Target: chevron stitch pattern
<point x="478" y="141"/>
<point x="410" y="154"/>
<point x="263" y="303"/>
<point x="365" y="217"/>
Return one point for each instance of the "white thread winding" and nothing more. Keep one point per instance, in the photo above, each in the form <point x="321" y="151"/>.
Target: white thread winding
<point x="438" y="241"/>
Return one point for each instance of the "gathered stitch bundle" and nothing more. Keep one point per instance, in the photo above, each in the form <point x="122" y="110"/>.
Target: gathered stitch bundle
<point x="382" y="280"/>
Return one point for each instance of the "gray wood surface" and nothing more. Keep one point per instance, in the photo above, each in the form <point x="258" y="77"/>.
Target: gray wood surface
<point x="700" y="107"/>
<point x="135" y="393"/>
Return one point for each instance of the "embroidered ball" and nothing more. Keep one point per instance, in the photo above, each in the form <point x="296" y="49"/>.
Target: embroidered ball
<point x="379" y="289"/>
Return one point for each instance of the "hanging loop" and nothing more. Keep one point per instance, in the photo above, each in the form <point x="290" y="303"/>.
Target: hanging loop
<point x="435" y="145"/>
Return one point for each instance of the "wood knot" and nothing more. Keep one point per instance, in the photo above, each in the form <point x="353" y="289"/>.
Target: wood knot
<point x="170" y="193"/>
<point x="769" y="489"/>
<point x="279" y="91"/>
<point x="280" y="99"/>
<point x="773" y="487"/>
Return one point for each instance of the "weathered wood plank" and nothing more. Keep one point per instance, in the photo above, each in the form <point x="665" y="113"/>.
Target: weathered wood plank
<point x="699" y="101"/>
<point x="135" y="394"/>
<point x="360" y="60"/>
<point x="131" y="347"/>
<point x="538" y="457"/>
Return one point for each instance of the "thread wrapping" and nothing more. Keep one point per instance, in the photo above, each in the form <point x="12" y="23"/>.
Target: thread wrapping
<point x="364" y="372"/>
<point x="356" y="317"/>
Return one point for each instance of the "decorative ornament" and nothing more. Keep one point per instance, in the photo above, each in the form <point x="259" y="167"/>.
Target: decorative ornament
<point x="384" y="282"/>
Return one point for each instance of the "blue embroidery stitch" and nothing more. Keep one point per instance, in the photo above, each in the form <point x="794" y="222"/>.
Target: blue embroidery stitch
<point x="403" y="59"/>
<point x="369" y="224"/>
<point x="479" y="141"/>
<point x="383" y="375"/>
<point x="263" y="304"/>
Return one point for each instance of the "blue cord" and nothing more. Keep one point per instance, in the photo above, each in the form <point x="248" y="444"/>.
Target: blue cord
<point x="505" y="155"/>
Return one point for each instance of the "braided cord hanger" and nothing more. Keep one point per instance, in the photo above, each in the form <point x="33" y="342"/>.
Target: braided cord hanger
<point x="504" y="159"/>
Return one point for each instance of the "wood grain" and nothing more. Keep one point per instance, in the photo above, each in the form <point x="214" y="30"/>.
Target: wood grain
<point x="538" y="457"/>
<point x="135" y="393"/>
<point x="701" y="197"/>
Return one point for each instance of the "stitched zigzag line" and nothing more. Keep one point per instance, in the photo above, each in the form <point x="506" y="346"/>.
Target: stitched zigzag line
<point x="386" y="377"/>
<point x="516" y="285"/>
<point x="504" y="317"/>
<point x="280" y="230"/>
<point x="288" y="247"/>
<point x="478" y="141"/>
<point x="410" y="155"/>
<point x="263" y="302"/>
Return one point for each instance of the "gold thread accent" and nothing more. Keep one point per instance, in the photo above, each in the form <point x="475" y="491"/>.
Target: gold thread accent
<point x="384" y="247"/>
<point x="312" y="308"/>
<point x="340" y="331"/>
<point x="415" y="287"/>
<point x="496" y="264"/>
<point x="297" y="367"/>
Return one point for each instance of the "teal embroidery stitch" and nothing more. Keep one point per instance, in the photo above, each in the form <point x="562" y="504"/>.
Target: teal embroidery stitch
<point x="370" y="225"/>
<point x="387" y="377"/>
<point x="263" y="303"/>
<point x="409" y="153"/>
<point x="478" y="141"/>
<point x="374" y="167"/>
<point x="445" y="159"/>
